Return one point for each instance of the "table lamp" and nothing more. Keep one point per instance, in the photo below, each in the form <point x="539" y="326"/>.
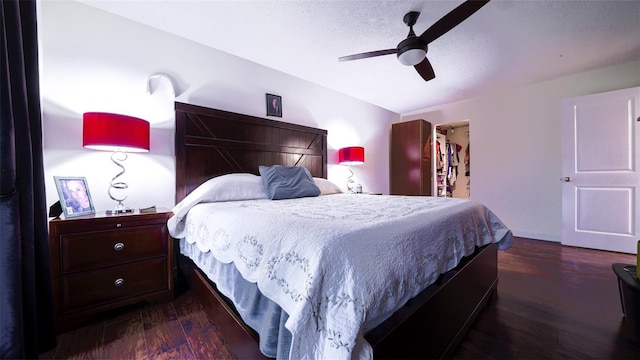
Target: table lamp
<point x="353" y="155"/>
<point x="120" y="134"/>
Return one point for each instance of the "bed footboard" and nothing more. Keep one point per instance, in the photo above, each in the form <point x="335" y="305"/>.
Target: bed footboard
<point x="432" y="324"/>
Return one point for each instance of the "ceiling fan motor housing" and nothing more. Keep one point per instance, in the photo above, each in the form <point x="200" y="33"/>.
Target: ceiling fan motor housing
<point x="412" y="50"/>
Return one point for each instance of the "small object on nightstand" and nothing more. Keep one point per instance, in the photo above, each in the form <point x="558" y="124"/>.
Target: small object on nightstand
<point x="119" y="211"/>
<point x="150" y="209"/>
<point x="55" y="210"/>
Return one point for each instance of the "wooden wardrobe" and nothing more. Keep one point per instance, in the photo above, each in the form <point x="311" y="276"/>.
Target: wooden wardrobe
<point x="410" y="168"/>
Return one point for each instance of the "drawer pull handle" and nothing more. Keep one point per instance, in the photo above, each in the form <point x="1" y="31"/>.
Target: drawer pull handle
<point x="119" y="282"/>
<point x="118" y="246"/>
<point x="118" y="225"/>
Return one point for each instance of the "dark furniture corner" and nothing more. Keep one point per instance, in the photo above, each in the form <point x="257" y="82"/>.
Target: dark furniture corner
<point x="101" y="262"/>
<point x="629" y="286"/>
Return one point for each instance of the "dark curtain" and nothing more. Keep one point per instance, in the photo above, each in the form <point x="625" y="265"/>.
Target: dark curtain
<point x="26" y="307"/>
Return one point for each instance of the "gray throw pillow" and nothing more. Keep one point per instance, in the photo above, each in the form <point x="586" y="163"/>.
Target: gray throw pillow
<point x="287" y="182"/>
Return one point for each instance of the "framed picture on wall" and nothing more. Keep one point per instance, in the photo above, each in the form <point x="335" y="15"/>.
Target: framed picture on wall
<point x="274" y="105"/>
<point x="75" y="198"/>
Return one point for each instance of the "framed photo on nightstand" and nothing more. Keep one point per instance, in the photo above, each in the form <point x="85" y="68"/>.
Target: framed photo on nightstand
<point x="75" y="198"/>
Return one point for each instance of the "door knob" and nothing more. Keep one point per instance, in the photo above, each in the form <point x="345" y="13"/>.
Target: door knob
<point x="566" y="179"/>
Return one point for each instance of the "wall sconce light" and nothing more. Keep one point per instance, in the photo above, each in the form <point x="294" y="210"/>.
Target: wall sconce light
<point x="350" y="156"/>
<point x="120" y="134"/>
<point x="163" y="77"/>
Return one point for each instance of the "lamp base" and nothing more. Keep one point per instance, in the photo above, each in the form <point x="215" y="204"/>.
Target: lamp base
<point x="119" y="211"/>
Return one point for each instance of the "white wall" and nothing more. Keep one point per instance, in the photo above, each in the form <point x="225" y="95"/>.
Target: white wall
<point x="94" y="61"/>
<point x="516" y="141"/>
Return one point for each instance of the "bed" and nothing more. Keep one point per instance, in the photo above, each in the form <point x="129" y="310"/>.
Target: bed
<point x="422" y="317"/>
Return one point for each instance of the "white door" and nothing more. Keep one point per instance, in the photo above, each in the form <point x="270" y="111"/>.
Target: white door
<point x="600" y="161"/>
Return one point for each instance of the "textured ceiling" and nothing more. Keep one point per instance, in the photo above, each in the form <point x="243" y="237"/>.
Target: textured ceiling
<point x="504" y="44"/>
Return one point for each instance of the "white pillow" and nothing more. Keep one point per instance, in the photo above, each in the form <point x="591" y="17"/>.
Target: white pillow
<point x="326" y="186"/>
<point x="230" y="187"/>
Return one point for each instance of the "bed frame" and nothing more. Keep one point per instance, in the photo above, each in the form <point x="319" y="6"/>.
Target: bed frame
<point x="213" y="142"/>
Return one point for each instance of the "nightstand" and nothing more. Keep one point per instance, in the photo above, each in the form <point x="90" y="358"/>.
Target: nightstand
<point x="100" y="262"/>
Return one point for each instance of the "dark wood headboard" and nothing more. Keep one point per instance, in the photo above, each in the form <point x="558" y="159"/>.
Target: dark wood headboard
<point x="212" y="142"/>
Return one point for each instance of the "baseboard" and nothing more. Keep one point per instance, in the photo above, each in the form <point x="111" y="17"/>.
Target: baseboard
<point x="535" y="236"/>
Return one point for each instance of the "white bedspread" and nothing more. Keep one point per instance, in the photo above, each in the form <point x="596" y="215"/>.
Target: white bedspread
<point x="339" y="265"/>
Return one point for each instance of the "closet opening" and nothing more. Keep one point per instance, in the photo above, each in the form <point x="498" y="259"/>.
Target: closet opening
<point x="451" y="165"/>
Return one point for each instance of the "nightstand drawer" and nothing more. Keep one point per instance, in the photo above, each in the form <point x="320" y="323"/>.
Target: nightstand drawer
<point x="95" y="249"/>
<point x="92" y="288"/>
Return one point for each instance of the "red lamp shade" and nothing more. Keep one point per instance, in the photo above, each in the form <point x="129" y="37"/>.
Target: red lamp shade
<point x="353" y="155"/>
<point x="111" y="132"/>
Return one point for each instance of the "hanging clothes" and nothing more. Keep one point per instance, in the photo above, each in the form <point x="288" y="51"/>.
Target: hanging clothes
<point x="453" y="161"/>
<point x="440" y="156"/>
<point x="467" y="161"/>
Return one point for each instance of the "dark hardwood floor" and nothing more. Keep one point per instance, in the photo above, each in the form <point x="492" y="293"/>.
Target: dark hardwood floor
<point x="553" y="302"/>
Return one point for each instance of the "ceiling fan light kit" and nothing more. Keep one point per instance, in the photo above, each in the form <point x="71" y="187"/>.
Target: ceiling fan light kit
<point x="411" y="54"/>
<point x="412" y="51"/>
<point x="412" y="57"/>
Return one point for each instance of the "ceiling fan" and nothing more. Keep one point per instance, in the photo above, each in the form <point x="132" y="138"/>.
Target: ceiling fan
<point x="412" y="51"/>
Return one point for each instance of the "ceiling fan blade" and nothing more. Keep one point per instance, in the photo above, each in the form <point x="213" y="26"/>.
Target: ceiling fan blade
<point x="368" y="54"/>
<point x="425" y="70"/>
<point x="452" y="19"/>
